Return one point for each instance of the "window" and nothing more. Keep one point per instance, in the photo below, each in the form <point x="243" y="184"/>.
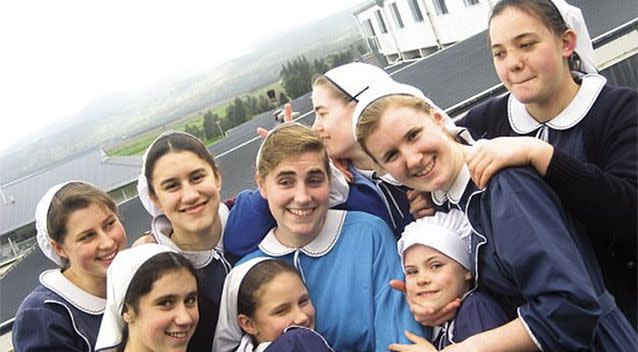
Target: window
<point x="382" y="26"/>
<point x="397" y="16"/>
<point x="368" y="26"/>
<point x="470" y="2"/>
<point x="440" y="7"/>
<point x="416" y="11"/>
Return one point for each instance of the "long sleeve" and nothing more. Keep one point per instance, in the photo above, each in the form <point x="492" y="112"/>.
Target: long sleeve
<point x="248" y="222"/>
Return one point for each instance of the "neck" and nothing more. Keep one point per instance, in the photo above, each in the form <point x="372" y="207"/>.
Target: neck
<point x="293" y="240"/>
<point x="459" y="152"/>
<point x="133" y="345"/>
<point x="93" y="285"/>
<point x="361" y="160"/>
<point x="546" y="110"/>
<point x="204" y="240"/>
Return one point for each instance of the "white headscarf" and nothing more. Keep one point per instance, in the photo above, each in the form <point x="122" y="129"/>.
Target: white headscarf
<point x="448" y="233"/>
<point x="118" y="278"/>
<point x="355" y="78"/>
<point x="228" y="334"/>
<point x="142" y="185"/>
<point x="338" y="184"/>
<point x="41" y="215"/>
<point x="573" y="18"/>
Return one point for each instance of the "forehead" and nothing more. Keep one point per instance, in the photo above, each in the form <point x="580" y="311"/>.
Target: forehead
<point x="512" y="22"/>
<point x="173" y="282"/>
<point x="176" y="162"/>
<point x="324" y="96"/>
<point x="300" y="164"/>
<point x="283" y="286"/>
<point x="419" y="252"/>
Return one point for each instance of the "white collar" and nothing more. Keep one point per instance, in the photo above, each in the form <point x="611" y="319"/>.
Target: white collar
<point x="55" y="281"/>
<point x="455" y="193"/>
<point x="318" y="247"/>
<point x="161" y="229"/>
<point x="523" y="123"/>
<point x="373" y="174"/>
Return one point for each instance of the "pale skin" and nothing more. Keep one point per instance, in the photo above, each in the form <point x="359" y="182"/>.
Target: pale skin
<point x="516" y="54"/>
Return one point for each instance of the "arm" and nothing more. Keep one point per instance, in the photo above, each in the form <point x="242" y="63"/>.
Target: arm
<point x="510" y="337"/>
<point x="41" y="329"/>
<point x="248" y="222"/>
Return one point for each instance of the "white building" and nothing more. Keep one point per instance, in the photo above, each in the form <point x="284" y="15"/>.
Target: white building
<point x="407" y="29"/>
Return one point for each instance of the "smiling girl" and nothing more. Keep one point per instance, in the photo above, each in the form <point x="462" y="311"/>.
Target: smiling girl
<point x="266" y="308"/>
<point x="180" y="186"/>
<point x="528" y="252"/>
<point x="79" y="230"/>
<point x="345" y="258"/>
<point x="151" y="301"/>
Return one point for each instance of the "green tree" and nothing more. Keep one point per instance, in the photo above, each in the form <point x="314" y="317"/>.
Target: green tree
<point x="296" y="77"/>
<point x="209" y="125"/>
<point x="283" y="99"/>
<point x="320" y="66"/>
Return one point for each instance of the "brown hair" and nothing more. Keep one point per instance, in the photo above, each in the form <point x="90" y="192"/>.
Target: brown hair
<point x="74" y="196"/>
<point x="289" y="140"/>
<point x="323" y="81"/>
<point x="256" y="278"/>
<point x="369" y="121"/>
<point x="175" y="142"/>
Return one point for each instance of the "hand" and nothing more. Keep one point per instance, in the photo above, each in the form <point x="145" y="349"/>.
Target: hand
<point x="145" y="238"/>
<point x="342" y="165"/>
<point x="263" y="133"/>
<point x="487" y="157"/>
<point x="420" y="344"/>
<point x="421" y="204"/>
<point x="428" y="316"/>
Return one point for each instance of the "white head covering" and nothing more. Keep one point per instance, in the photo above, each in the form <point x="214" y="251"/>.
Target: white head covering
<point x="338" y="184"/>
<point x="142" y="185"/>
<point x="355" y="78"/>
<point x="41" y="214"/>
<point x="573" y="18"/>
<point x="118" y="278"/>
<point x="386" y="88"/>
<point x="448" y="233"/>
<point x="228" y="333"/>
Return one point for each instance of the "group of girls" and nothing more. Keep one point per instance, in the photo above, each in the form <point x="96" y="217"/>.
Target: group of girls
<point x="506" y="263"/>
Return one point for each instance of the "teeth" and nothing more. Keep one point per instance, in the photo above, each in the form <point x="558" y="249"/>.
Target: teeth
<point x="177" y="335"/>
<point x="300" y="212"/>
<point x="426" y="169"/>
<point x="108" y="257"/>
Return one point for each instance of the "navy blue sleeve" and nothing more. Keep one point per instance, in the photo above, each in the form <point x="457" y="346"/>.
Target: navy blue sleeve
<point x="299" y="339"/>
<point x="248" y="223"/>
<point x="539" y="252"/>
<point x="479" y="312"/>
<point x="46" y="328"/>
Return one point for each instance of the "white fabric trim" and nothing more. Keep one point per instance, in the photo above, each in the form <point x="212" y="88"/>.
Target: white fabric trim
<point x="529" y="331"/>
<point x="55" y="281"/>
<point x="523" y="123"/>
<point x="455" y="193"/>
<point x="318" y="247"/>
<point x="75" y="328"/>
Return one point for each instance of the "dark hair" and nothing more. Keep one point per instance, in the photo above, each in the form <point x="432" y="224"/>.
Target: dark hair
<point x="290" y="140"/>
<point x="256" y="278"/>
<point x="543" y="10"/>
<point x="175" y="142"/>
<point x="71" y="197"/>
<point x="152" y="270"/>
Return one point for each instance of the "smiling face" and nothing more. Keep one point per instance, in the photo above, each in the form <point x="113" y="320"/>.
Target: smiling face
<point x="433" y="279"/>
<point x="333" y="122"/>
<point x="530" y="60"/>
<point x="297" y="191"/>
<point x="94" y="236"/>
<point x="166" y="317"/>
<point x="414" y="148"/>
<point x="282" y="302"/>
<point x="187" y="190"/>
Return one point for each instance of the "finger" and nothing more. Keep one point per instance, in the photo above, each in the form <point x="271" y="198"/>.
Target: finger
<point x="412" y="194"/>
<point x="398" y="347"/>
<point x="262" y="132"/>
<point x="398" y="285"/>
<point x="415" y="338"/>
<point x="424" y="212"/>
<point x="288" y="112"/>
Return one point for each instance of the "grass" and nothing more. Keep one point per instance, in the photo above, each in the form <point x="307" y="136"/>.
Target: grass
<point x="137" y="144"/>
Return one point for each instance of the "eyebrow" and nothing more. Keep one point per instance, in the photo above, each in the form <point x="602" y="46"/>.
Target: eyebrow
<point x="518" y="37"/>
<point x="317" y="108"/>
<point x="317" y="172"/>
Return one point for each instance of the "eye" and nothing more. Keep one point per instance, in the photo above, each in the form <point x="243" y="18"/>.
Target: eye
<point x="435" y="265"/>
<point x="410" y="271"/>
<point x="304" y="301"/>
<point x="191" y="300"/>
<point x="171" y="186"/>
<point x="391" y="156"/>
<point x="498" y="54"/>
<point x="166" y="303"/>
<point x="527" y="45"/>
<point x="316" y="181"/>
<point x="198" y="176"/>
<point x="412" y="135"/>
<point x="110" y="224"/>
<point x="87" y="236"/>
<point x="281" y="310"/>
<point x="285" y="182"/>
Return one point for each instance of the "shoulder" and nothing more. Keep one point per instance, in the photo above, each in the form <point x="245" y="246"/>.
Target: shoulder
<point x="479" y="312"/>
<point x="365" y="223"/>
<point x="485" y="116"/>
<point x="297" y="338"/>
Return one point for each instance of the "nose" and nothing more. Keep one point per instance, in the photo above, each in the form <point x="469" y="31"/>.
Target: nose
<point x="301" y="194"/>
<point x="186" y="315"/>
<point x="412" y="158"/>
<point x="514" y="60"/>
<point x="106" y="241"/>
<point x="423" y="279"/>
<point x="316" y="125"/>
<point x="301" y="318"/>
<point x="189" y="193"/>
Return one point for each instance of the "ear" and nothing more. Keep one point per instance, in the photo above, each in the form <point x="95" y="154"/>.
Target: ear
<point x="59" y="249"/>
<point x="247" y="324"/>
<point x="438" y="118"/>
<point x="218" y="176"/>
<point x="261" y="185"/>
<point x="468" y="275"/>
<point x="129" y="314"/>
<point x="568" y="43"/>
<point x="155" y="200"/>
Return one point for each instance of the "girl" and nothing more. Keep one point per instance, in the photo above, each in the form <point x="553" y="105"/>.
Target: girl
<point x="334" y="97"/>
<point x="528" y="252"/>
<point x="266" y="301"/>
<point x="180" y="186"/>
<point x="346" y="258"/>
<point x="151" y="302"/>
<point x="435" y="253"/>
<point x="580" y="133"/>
<point x="78" y="228"/>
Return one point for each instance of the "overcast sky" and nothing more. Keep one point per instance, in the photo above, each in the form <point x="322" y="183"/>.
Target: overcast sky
<point x="57" y="55"/>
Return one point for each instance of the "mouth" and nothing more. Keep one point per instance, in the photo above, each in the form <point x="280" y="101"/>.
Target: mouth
<point x="301" y="212"/>
<point x="108" y="258"/>
<point x="426" y="170"/>
<point x="195" y="208"/>
<point x="522" y="81"/>
<point x="427" y="293"/>
<point x="178" y="336"/>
